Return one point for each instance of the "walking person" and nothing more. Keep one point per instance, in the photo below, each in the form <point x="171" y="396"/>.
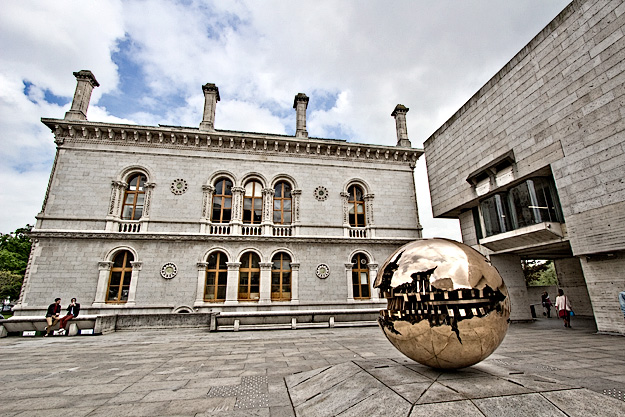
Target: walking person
<point x="546" y="305"/>
<point x="72" y="312"/>
<point x="564" y="308"/>
<point x="52" y="315"/>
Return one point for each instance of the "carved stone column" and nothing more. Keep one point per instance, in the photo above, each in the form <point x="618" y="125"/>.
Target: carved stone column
<point x="373" y="273"/>
<point x="232" y="283"/>
<point x="207" y="203"/>
<point x="148" y="187"/>
<point x="104" y="269"/>
<point x="295" y="282"/>
<point x="115" y="206"/>
<point x="348" y="276"/>
<point x="134" y="279"/>
<point x="345" y="199"/>
<point x="265" y="282"/>
<point x="201" y="283"/>
<point x="296" y="195"/>
<point x="267" y="221"/>
<point x="238" y="194"/>
<point x="369" y="213"/>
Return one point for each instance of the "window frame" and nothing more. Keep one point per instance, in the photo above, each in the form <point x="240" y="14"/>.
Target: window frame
<point x="216" y="277"/>
<point x="224" y="197"/>
<point x="248" y="270"/>
<point x="126" y="268"/>
<point x="253" y="199"/>
<point x="357" y="270"/>
<point x="353" y="203"/>
<point x="140" y="190"/>
<point x="282" y="201"/>
<point x="281" y="272"/>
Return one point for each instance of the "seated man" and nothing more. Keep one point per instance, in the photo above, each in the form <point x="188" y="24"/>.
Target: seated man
<point x="72" y="311"/>
<point x="52" y="315"/>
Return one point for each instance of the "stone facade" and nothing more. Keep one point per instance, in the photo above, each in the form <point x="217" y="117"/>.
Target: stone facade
<point x="81" y="228"/>
<point x="551" y="121"/>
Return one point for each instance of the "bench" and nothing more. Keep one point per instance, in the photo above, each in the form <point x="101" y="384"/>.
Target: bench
<point x="293" y="319"/>
<point x="20" y="324"/>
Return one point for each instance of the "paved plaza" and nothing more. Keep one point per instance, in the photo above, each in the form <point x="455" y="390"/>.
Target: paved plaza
<point x="541" y="368"/>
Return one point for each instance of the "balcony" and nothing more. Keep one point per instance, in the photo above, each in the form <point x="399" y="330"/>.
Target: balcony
<point x="129" y="226"/>
<point x="525" y="237"/>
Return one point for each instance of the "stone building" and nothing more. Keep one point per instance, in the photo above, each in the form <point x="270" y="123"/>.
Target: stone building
<point x="533" y="164"/>
<point x="157" y="219"/>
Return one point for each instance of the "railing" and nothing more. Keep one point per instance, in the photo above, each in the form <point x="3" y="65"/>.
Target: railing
<point x="360" y="232"/>
<point x="219" y="229"/>
<point x="129" y="227"/>
<point x="283" y="230"/>
<point x="251" y="230"/>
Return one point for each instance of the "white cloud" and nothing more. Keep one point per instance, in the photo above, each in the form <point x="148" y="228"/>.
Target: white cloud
<point x="429" y="56"/>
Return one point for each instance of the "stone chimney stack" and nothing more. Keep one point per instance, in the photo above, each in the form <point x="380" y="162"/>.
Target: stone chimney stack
<point x="300" y="104"/>
<point x="211" y="97"/>
<point x="85" y="83"/>
<point x="400" y="124"/>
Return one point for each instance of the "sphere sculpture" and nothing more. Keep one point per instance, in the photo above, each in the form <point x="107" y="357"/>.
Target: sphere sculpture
<point x="448" y="307"/>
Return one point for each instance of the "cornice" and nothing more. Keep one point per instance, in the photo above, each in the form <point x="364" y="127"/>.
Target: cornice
<point x="170" y="137"/>
<point x="205" y="238"/>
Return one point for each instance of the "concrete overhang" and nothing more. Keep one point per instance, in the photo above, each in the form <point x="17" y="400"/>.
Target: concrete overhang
<point x="536" y="235"/>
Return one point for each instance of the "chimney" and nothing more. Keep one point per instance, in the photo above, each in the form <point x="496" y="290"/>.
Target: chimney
<point x="300" y="104"/>
<point x="211" y="97"/>
<point x="85" y="83"/>
<point x="400" y="124"/>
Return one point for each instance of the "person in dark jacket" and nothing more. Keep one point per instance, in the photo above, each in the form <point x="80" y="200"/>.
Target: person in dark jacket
<point x="52" y="315"/>
<point x="72" y="312"/>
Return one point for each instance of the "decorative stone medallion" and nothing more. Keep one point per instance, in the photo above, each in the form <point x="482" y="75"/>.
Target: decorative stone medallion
<point x="179" y="186"/>
<point x="321" y="193"/>
<point x="169" y="270"/>
<point x="323" y="271"/>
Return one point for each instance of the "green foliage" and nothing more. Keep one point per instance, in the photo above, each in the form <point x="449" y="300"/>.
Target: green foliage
<point x="14" y="253"/>
<point x="10" y="285"/>
<point x="539" y="272"/>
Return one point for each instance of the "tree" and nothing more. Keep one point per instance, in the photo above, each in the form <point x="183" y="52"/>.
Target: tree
<point x="14" y="253"/>
<point x="539" y="272"/>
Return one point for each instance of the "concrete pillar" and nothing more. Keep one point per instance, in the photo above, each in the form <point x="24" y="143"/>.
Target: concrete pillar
<point x="571" y="280"/>
<point x="373" y="274"/>
<point x="509" y="267"/>
<point x="300" y="104"/>
<point x="134" y="280"/>
<point x="295" y="282"/>
<point x="400" y="125"/>
<point x="265" y="282"/>
<point x="348" y="280"/>
<point x="232" y="282"/>
<point x="103" y="280"/>
<point x="211" y="97"/>
<point x="85" y="81"/>
<point x="201" y="283"/>
<point x="604" y="277"/>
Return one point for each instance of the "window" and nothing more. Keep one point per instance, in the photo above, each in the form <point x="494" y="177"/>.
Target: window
<point x="496" y="217"/>
<point x="134" y="198"/>
<point x="281" y="277"/>
<point x="222" y="201"/>
<point x="253" y="203"/>
<point x="216" y="277"/>
<point x="119" y="280"/>
<point x="282" y="203"/>
<point x="356" y="206"/>
<point x="530" y="202"/>
<point x="249" y="277"/>
<point x="360" y="276"/>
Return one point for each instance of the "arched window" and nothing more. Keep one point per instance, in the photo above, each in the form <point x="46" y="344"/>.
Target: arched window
<point x="282" y="203"/>
<point x="281" y="277"/>
<point x="253" y="203"/>
<point x="249" y="277"/>
<point x="356" y="206"/>
<point x="360" y="276"/>
<point x="216" y="277"/>
<point x="222" y="201"/>
<point x="119" y="280"/>
<point x="134" y="198"/>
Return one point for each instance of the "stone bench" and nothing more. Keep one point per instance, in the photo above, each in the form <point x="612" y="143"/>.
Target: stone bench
<point x="37" y="323"/>
<point x="292" y="319"/>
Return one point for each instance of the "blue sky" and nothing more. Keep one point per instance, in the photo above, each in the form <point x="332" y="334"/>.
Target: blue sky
<point x="355" y="59"/>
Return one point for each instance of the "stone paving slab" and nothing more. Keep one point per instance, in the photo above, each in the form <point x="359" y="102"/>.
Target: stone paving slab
<point x="540" y="369"/>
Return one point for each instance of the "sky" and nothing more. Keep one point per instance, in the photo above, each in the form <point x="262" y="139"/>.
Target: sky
<point x="355" y="59"/>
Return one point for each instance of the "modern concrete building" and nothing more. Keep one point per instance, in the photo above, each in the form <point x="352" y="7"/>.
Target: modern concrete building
<point x="533" y="164"/>
<point x="158" y="219"/>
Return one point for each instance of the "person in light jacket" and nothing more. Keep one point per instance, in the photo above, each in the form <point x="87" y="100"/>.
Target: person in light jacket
<point x="564" y="308"/>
